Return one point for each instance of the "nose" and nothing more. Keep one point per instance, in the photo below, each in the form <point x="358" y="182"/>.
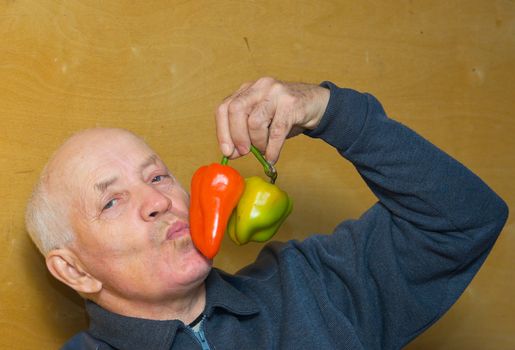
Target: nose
<point x="154" y="204"/>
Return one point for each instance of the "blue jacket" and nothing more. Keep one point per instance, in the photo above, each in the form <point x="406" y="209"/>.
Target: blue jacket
<point x="374" y="283"/>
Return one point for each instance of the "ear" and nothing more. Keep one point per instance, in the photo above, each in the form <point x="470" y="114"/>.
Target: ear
<point x="66" y="267"/>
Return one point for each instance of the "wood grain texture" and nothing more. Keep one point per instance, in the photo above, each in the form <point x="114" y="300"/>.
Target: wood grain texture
<point x="159" y="68"/>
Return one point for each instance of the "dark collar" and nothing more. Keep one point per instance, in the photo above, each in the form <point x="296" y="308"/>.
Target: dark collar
<point x="136" y="333"/>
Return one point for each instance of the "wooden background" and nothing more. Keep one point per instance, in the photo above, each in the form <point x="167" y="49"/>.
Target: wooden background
<point x="159" y="68"/>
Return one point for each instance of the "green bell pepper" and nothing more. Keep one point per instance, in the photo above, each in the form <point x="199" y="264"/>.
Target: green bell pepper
<point x="261" y="210"/>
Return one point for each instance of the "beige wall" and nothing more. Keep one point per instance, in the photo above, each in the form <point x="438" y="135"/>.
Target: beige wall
<point x="159" y="68"/>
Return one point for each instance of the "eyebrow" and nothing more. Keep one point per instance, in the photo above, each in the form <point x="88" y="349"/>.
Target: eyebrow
<point x="104" y="185"/>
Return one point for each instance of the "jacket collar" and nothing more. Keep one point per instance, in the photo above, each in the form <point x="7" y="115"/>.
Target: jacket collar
<point x="223" y="291"/>
<point x="124" y="332"/>
<point x="136" y="333"/>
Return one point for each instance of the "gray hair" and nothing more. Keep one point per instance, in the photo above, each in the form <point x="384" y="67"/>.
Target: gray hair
<point x="46" y="218"/>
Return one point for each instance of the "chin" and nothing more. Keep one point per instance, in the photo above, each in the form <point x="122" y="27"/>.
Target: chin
<point x="187" y="263"/>
<point x="193" y="260"/>
<point x="194" y="274"/>
<point x="185" y="244"/>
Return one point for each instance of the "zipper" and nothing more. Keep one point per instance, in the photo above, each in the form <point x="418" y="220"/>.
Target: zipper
<point x="200" y="336"/>
<point x="203" y="340"/>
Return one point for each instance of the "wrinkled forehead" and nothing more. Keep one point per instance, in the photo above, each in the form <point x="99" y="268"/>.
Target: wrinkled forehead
<point x="96" y="153"/>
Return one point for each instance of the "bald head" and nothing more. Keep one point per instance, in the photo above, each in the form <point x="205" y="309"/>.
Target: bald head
<point x="56" y="194"/>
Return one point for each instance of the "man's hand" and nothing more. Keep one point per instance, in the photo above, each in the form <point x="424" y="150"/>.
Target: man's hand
<point x="266" y="112"/>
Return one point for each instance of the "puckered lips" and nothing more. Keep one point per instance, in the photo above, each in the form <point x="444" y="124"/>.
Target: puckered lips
<point x="177" y="229"/>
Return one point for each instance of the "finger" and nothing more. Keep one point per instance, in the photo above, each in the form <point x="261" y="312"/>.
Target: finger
<point x="238" y="128"/>
<point x="278" y="131"/>
<point x="222" y="130"/>
<point x="239" y="109"/>
<point x="223" y="133"/>
<point x="258" y="123"/>
<point x="235" y="154"/>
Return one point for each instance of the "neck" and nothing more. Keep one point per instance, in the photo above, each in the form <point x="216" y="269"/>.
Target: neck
<point x="183" y="307"/>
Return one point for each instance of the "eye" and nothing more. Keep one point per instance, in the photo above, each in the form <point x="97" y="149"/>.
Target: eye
<point x="110" y="204"/>
<point x="159" y="178"/>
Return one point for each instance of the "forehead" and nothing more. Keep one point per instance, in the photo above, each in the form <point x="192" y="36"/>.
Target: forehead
<point x="98" y="153"/>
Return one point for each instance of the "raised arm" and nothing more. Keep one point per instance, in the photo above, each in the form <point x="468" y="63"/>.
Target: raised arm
<point x="409" y="257"/>
<point x="397" y="269"/>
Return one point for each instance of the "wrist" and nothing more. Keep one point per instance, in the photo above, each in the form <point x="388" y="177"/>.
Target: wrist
<point x="318" y="107"/>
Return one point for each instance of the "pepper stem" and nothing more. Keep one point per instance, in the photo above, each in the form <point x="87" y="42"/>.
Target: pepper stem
<point x="269" y="168"/>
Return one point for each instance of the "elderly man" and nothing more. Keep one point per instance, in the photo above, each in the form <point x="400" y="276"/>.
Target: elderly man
<point x="112" y="223"/>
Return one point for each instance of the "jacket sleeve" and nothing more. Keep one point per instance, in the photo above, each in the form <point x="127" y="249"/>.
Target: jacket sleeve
<point x="409" y="257"/>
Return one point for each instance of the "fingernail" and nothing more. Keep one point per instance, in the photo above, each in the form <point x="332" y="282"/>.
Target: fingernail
<point x="271" y="161"/>
<point x="243" y="150"/>
<point x="226" y="149"/>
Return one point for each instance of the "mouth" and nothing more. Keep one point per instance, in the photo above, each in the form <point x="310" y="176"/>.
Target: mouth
<point x="177" y="229"/>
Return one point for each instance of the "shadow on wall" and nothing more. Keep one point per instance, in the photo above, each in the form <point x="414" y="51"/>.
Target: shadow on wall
<point x="58" y="308"/>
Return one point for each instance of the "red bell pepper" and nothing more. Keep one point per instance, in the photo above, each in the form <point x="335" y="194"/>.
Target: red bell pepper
<point x="215" y="192"/>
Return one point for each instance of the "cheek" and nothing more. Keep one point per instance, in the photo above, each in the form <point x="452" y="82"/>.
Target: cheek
<point x="119" y="263"/>
<point x="181" y="201"/>
<point x="113" y="239"/>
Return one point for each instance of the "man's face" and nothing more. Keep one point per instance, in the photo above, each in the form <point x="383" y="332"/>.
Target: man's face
<point x="130" y="217"/>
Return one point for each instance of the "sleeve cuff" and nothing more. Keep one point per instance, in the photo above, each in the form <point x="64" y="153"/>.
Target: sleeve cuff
<point x="343" y="119"/>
